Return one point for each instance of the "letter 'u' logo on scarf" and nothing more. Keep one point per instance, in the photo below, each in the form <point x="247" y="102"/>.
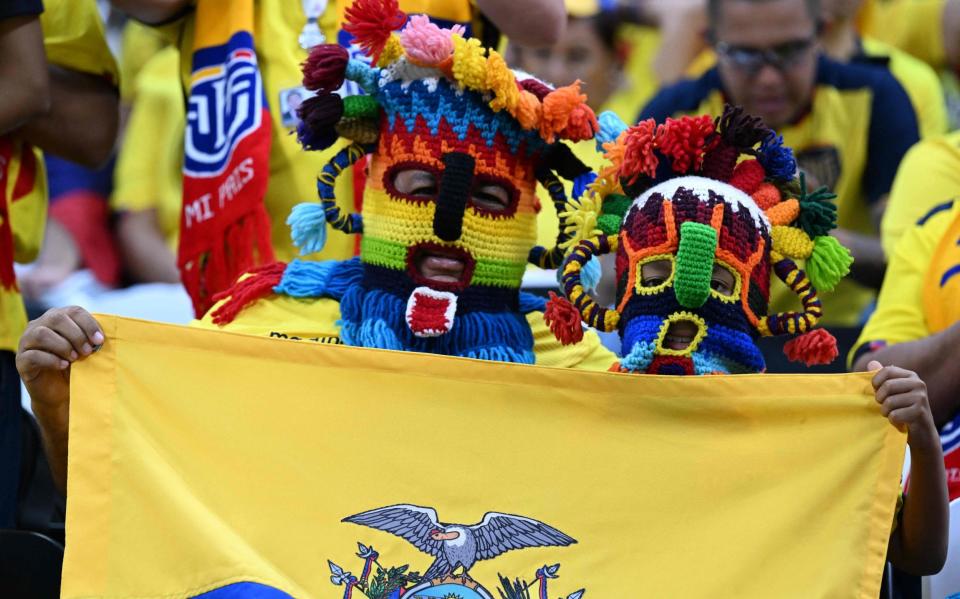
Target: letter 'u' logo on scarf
<point x="224" y="227"/>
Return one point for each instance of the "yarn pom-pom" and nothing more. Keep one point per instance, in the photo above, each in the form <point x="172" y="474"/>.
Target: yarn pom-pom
<point x="308" y="227"/>
<point x="558" y="106"/>
<point x="828" y="263"/>
<point x="818" y="211"/>
<point x="371" y="22"/>
<point x="638" y="152"/>
<point x="686" y="141"/>
<point x="325" y="68"/>
<point x="582" y="124"/>
<point x="318" y="118"/>
<point x="747" y="176"/>
<point x="563" y="319"/>
<point x="776" y="158"/>
<point x="740" y="130"/>
<point x="610" y="128"/>
<point x="590" y="274"/>
<point x="427" y="43"/>
<point x="816" y="347"/>
<point x="529" y="110"/>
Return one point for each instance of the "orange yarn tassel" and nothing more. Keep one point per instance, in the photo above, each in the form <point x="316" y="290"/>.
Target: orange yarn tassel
<point x="816" y="347"/>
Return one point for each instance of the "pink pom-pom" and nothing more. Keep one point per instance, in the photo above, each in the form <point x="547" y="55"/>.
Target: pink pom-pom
<point x="325" y="68"/>
<point x="425" y="42"/>
<point x="814" y="348"/>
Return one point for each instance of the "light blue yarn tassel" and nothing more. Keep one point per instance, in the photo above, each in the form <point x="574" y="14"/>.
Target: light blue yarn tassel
<point x="590" y="274"/>
<point x="308" y="227"/>
<point x="611" y="126"/>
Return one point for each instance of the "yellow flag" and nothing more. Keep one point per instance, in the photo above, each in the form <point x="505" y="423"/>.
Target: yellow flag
<point x="205" y="462"/>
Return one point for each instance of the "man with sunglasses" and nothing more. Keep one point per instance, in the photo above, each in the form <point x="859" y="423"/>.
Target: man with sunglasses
<point x="850" y="124"/>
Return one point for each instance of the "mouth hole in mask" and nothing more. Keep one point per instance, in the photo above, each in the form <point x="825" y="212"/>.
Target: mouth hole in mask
<point x="681" y="334"/>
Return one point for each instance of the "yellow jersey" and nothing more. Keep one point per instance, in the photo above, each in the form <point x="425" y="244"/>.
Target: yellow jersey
<point x="928" y="176"/>
<point x="148" y="172"/>
<point x="860" y="124"/>
<point x="74" y="39"/>
<point x="921" y="291"/>
<point x="316" y="320"/>
<point x="911" y="25"/>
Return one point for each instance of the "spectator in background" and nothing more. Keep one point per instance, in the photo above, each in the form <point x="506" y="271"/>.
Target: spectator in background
<point x="917" y="321"/>
<point x="927" y="29"/>
<point x="58" y="94"/>
<point x="148" y="187"/>
<point x="849" y="124"/>
<point x="842" y="42"/>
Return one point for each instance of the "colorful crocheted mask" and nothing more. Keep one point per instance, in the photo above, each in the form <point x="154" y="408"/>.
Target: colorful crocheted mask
<point x="458" y="143"/>
<point x="700" y="214"/>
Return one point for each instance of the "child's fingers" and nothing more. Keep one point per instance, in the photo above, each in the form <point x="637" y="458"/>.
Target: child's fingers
<point x="891" y="372"/>
<point x="892" y="387"/>
<point x="896" y="402"/>
<point x="905" y="416"/>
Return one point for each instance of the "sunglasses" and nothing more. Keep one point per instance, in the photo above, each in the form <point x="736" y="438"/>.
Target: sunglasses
<point x="751" y="60"/>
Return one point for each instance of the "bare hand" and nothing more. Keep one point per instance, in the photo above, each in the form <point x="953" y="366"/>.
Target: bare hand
<point x="903" y="400"/>
<point x="49" y="346"/>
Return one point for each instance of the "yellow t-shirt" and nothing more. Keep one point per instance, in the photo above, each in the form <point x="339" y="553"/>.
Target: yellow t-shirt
<point x="858" y="128"/>
<point x="139" y="44"/>
<point x="293" y="171"/>
<point x="921" y="291"/>
<point x="148" y="172"/>
<point x="74" y="39"/>
<point x="285" y="317"/>
<point x="911" y="25"/>
<point x="640" y="80"/>
<point x="928" y="176"/>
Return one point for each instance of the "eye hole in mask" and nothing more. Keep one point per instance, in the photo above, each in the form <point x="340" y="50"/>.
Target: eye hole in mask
<point x="657" y="272"/>
<point x="420" y="184"/>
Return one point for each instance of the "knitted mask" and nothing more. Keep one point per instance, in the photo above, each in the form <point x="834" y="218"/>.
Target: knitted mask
<point x="700" y="215"/>
<point x="458" y="143"/>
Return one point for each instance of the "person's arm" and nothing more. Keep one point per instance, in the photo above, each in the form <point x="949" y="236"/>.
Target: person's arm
<point x="951" y="32"/>
<point x="146" y="255"/>
<point x="869" y="261"/>
<point x="530" y="23"/>
<point x="24" y="84"/>
<point x="926" y="358"/>
<point x="152" y="12"/>
<point x="47" y="348"/>
<point x="81" y="124"/>
<point x="918" y="545"/>
<point x="59" y="257"/>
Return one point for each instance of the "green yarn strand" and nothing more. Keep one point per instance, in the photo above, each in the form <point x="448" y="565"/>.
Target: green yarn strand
<point x="828" y="263"/>
<point x="694" y="264"/>
<point x="360" y="107"/>
<point x="818" y="211"/>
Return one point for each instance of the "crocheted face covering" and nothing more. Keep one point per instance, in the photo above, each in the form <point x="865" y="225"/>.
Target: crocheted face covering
<point x="450" y="200"/>
<point x="693" y="270"/>
<point x="700" y="214"/>
<point x="457" y="144"/>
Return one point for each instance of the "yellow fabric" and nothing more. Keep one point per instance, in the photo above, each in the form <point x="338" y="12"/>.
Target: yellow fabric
<point x="285" y="317"/>
<point x="838" y="119"/>
<point x="148" y="172"/>
<point x="640" y="79"/>
<point x="920" y="82"/>
<point x="277" y="25"/>
<point x="900" y="315"/>
<point x="243" y="464"/>
<point x="911" y="25"/>
<point x="929" y="175"/>
<point x="139" y="44"/>
<point x="73" y="38"/>
<point x="941" y="292"/>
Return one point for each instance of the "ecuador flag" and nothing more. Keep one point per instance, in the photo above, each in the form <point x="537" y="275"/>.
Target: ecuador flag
<point x="221" y="465"/>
